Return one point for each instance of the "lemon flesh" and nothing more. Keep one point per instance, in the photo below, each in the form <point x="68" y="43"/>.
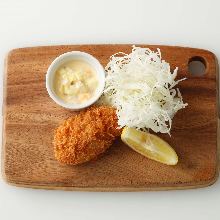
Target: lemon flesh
<point x="149" y="145"/>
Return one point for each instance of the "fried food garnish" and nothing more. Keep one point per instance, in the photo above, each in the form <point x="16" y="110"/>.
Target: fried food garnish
<point x="86" y="135"/>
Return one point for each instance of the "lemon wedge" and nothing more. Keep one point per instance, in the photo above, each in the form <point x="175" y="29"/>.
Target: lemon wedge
<point x="149" y="145"/>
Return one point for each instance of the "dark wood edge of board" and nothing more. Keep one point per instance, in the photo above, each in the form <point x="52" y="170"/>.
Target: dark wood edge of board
<point x="217" y="88"/>
<point x="10" y="52"/>
<point x="107" y="189"/>
<point x="116" y="189"/>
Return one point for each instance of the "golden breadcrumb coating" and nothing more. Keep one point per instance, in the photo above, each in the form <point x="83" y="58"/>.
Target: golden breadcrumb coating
<point x="84" y="136"/>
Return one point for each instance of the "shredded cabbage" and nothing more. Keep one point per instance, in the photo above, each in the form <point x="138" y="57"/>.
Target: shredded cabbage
<point x="141" y="87"/>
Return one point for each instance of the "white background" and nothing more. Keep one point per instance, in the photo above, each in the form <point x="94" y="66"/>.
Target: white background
<point x="177" y="22"/>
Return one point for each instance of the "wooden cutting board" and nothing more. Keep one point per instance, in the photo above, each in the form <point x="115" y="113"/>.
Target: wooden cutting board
<point x="30" y="117"/>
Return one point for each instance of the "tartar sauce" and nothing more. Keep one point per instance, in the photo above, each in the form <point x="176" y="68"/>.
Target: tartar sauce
<point x="75" y="81"/>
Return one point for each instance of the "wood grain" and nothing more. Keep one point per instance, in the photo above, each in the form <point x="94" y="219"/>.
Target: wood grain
<point x="30" y="117"/>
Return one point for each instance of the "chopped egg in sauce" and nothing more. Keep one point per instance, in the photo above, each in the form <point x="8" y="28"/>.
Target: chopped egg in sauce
<point x="75" y="81"/>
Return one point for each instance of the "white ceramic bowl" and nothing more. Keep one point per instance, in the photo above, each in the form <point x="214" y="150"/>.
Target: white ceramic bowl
<point x="75" y="55"/>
